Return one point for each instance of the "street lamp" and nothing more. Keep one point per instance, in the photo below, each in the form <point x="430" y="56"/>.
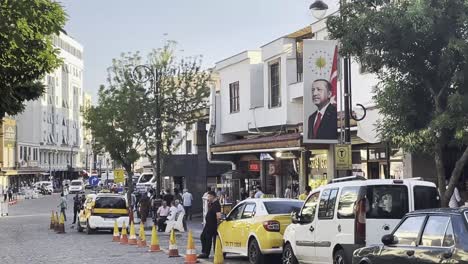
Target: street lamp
<point x="318" y="9"/>
<point x="71" y="162"/>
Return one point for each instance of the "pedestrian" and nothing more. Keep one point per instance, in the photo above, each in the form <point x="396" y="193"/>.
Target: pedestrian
<point x="455" y="199"/>
<point x="304" y="195"/>
<point x="76" y="207"/>
<point x="168" y="197"/>
<point x="259" y="192"/>
<point x="208" y="235"/>
<point x="162" y="213"/>
<point x="187" y="200"/>
<point x="63" y="205"/>
<point x="205" y="203"/>
<point x="5" y="194"/>
<point x="10" y="194"/>
<point x="177" y="195"/>
<point x="251" y="194"/>
<point x="243" y="194"/>
<point x="287" y="192"/>
<point x="172" y="212"/>
<point x="144" y="206"/>
<point x="181" y="210"/>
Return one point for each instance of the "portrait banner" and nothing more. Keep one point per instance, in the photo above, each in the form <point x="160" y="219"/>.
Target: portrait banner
<point x="320" y="79"/>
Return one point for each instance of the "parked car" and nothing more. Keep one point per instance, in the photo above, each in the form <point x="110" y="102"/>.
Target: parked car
<point x="101" y="211"/>
<point x="426" y="236"/>
<point x="255" y="227"/>
<point x="42" y="186"/>
<point x="76" y="186"/>
<point x="351" y="213"/>
<point x="146" y="182"/>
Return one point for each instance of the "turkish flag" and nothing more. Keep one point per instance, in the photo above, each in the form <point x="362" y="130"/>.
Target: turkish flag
<point x="334" y="76"/>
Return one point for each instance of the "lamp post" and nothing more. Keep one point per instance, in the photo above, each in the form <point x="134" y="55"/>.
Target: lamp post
<point x="148" y="74"/>
<point x="71" y="162"/>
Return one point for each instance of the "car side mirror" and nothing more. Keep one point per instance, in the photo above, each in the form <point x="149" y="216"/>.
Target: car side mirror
<point x="295" y="217"/>
<point x="388" y="239"/>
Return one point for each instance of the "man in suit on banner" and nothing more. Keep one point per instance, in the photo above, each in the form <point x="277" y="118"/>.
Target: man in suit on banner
<point x="323" y="122"/>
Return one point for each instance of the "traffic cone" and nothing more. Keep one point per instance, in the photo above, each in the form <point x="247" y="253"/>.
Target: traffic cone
<point x="142" y="236"/>
<point x="154" y="247"/>
<point x="61" y="228"/>
<point x="173" y="251"/>
<point x="56" y="225"/>
<point x="191" y="254"/>
<point x="116" y="236"/>
<point x="123" y="237"/>
<point x="218" y="257"/>
<point x="132" y="239"/>
<point x="52" y="220"/>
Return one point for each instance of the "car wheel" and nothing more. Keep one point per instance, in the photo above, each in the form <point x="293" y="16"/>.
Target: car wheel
<point x="89" y="230"/>
<point x="288" y="255"/>
<point x="78" y="226"/>
<point x="339" y="257"/>
<point x="255" y="255"/>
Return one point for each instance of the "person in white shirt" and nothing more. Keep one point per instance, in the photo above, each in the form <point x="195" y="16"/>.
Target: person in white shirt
<point x="172" y="212"/>
<point x="455" y="199"/>
<point x="162" y="213"/>
<point x="180" y="209"/>
<point x="259" y="192"/>
<point x="187" y="200"/>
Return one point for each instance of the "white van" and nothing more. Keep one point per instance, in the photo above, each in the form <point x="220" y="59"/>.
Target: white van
<point x="145" y="182"/>
<point x="351" y="213"/>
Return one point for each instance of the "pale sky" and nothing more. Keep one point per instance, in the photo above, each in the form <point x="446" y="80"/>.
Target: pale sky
<point x="215" y="29"/>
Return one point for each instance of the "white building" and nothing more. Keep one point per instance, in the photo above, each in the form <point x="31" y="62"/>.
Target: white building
<point x="50" y="128"/>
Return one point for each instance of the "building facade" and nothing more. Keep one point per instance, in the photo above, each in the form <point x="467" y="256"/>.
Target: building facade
<point x="50" y="131"/>
<point x="8" y="161"/>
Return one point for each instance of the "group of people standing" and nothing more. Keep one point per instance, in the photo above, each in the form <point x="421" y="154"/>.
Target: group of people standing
<point x="8" y="194"/>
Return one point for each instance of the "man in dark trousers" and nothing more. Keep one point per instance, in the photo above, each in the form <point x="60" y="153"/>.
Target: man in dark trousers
<point x="76" y="207"/>
<point x="322" y="123"/>
<point x="209" y="233"/>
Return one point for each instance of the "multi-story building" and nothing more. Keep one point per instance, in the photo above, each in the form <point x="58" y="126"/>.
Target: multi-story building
<point x="49" y="130"/>
<point x="86" y="143"/>
<point x="8" y="172"/>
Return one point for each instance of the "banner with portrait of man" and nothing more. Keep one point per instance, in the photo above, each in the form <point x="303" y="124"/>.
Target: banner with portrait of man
<point x="320" y="78"/>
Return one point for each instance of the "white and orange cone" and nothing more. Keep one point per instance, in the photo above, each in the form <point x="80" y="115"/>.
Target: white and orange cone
<point x="142" y="236"/>
<point x="116" y="236"/>
<point x="132" y="239"/>
<point x="173" y="250"/>
<point x="123" y="236"/>
<point x="154" y="247"/>
<point x="218" y="254"/>
<point x="191" y="254"/>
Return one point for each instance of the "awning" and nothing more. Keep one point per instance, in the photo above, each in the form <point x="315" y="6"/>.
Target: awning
<point x="8" y="172"/>
<point x="285" y="142"/>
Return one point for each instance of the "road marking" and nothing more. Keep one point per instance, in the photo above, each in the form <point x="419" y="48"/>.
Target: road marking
<point x="19" y="216"/>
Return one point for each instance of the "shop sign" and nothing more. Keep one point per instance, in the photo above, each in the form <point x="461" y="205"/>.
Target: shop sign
<point x="9" y="132"/>
<point x="343" y="158"/>
<point x="254" y="166"/>
<point x="119" y="175"/>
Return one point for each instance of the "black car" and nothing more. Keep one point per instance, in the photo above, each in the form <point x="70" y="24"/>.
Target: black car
<point x="425" y="236"/>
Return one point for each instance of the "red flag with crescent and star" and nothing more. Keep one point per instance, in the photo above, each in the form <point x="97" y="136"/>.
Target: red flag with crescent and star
<point x="334" y="77"/>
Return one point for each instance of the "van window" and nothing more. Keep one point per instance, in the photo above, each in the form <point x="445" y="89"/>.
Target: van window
<point x="426" y="197"/>
<point x="387" y="201"/>
<point x="347" y="201"/>
<point x="110" y="202"/>
<point x="327" y="204"/>
<point x="308" y="211"/>
<point x="146" y="178"/>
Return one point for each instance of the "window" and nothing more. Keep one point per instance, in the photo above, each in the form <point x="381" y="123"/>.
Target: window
<point x="236" y="213"/>
<point x="21" y="152"/>
<point x="275" y="96"/>
<point x="249" y="211"/>
<point x="347" y="201"/>
<point x="188" y="146"/>
<point x="449" y="238"/>
<point x="387" y="201"/>
<point x="426" y="197"/>
<point x="283" y="207"/>
<point x="299" y="58"/>
<point x="110" y="202"/>
<point x="234" y="97"/>
<point x="327" y="204"/>
<point x="434" y="231"/>
<point x="308" y="211"/>
<point x="407" y="233"/>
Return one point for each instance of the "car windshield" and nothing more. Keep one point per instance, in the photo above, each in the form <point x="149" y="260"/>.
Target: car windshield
<point x="110" y="202"/>
<point x="283" y="207"/>
<point x="387" y="201"/>
<point x="75" y="183"/>
<point x="145" y="178"/>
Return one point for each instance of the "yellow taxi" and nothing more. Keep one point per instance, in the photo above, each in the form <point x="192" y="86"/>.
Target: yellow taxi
<point x="255" y="227"/>
<point x="101" y="211"/>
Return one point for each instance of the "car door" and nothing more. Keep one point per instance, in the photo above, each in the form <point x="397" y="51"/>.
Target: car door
<point x="304" y="233"/>
<point x="228" y="232"/>
<point x="326" y="229"/>
<point x="245" y="225"/>
<point x="406" y="240"/>
<point x="437" y="241"/>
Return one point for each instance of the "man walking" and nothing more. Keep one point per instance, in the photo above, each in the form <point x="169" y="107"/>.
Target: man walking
<point x="187" y="200"/>
<point x="63" y="206"/>
<point x="208" y="235"/>
<point x="76" y="207"/>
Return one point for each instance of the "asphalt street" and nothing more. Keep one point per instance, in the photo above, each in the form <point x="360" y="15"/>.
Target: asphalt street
<point x="25" y="238"/>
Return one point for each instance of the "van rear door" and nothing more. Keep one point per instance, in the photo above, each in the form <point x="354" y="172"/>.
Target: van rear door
<point x="386" y="205"/>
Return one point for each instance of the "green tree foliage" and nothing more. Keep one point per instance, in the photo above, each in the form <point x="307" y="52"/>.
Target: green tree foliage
<point x="419" y="50"/>
<point x="26" y="50"/>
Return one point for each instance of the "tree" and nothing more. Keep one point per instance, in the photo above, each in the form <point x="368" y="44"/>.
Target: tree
<point x="26" y="50"/>
<point x="114" y="122"/>
<point x="183" y="90"/>
<point x="419" y="51"/>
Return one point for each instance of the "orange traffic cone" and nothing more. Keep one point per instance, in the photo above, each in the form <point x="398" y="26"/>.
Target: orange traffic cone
<point x="173" y="250"/>
<point x="52" y="220"/>
<point x="123" y="237"/>
<point x="191" y="254"/>
<point x="116" y="236"/>
<point x="132" y="239"/>
<point x="61" y="228"/>
<point x="154" y="247"/>
<point x="218" y="256"/>
<point x="57" y="219"/>
<point x="142" y="236"/>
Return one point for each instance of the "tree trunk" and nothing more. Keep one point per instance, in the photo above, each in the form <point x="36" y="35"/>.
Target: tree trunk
<point x="455" y="176"/>
<point x="128" y="169"/>
<point x="440" y="169"/>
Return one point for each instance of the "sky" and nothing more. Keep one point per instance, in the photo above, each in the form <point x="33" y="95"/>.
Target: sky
<point x="215" y="29"/>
